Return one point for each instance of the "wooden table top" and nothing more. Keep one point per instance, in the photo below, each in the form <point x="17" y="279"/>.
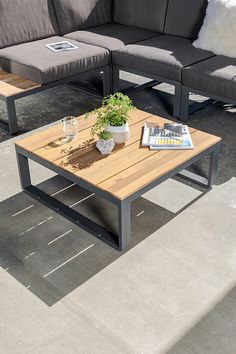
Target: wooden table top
<point x="11" y="84"/>
<point x="129" y="168"/>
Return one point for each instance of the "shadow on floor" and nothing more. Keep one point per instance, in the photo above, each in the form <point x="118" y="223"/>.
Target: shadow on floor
<point x="50" y="255"/>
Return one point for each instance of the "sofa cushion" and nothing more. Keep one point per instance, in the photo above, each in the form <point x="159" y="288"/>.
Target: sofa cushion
<point x="34" y="61"/>
<point x="26" y="20"/>
<point x="216" y="76"/>
<point x="164" y="56"/>
<point x="73" y="15"/>
<point x="140" y="13"/>
<point x="111" y="36"/>
<point x="185" y="17"/>
<point x="218" y="32"/>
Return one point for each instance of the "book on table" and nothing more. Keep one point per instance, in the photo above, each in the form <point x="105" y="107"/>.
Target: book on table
<point x="172" y="136"/>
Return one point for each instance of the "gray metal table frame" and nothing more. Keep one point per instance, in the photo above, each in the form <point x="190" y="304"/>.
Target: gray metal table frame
<point x="121" y="240"/>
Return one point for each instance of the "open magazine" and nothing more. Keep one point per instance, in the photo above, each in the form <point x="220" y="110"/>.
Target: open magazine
<point x="60" y="46"/>
<point x="173" y="136"/>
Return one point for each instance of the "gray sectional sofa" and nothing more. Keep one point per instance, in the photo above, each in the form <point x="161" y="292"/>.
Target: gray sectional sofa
<point x="152" y="38"/>
<point x="27" y="25"/>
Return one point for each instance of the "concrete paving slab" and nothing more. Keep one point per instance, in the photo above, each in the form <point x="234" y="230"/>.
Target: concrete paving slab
<point x="172" y="195"/>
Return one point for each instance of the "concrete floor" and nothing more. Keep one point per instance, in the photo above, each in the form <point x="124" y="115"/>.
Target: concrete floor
<point x="173" y="292"/>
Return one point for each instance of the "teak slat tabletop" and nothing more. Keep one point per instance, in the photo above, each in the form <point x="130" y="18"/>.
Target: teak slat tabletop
<point x="128" y="169"/>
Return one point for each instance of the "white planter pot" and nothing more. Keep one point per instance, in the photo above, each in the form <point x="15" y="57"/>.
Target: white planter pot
<point x="105" y="146"/>
<point x="119" y="134"/>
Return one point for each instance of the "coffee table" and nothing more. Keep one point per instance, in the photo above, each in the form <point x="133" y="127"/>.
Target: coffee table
<point x="126" y="174"/>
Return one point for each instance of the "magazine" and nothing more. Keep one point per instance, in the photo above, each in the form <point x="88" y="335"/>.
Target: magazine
<point x="60" y="46"/>
<point x="172" y="136"/>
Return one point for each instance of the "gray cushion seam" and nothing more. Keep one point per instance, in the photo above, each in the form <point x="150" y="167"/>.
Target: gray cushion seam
<point x="110" y="50"/>
<point x="146" y="39"/>
<point x="152" y="61"/>
<point x="167" y="7"/>
<point x="59" y="30"/>
<point x="197" y="62"/>
<point x="29" y="41"/>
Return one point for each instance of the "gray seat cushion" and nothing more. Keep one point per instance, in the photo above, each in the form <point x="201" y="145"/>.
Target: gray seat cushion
<point x="148" y="14"/>
<point x="73" y="15"/>
<point x="164" y="56"/>
<point x="111" y="36"/>
<point x="185" y="17"/>
<point x="26" y="20"/>
<point x="36" y="62"/>
<point x="216" y="76"/>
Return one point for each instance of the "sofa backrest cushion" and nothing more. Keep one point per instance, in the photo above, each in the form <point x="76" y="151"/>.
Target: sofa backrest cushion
<point x="148" y="14"/>
<point x="26" y="20"/>
<point x="184" y="18"/>
<point x="73" y="15"/>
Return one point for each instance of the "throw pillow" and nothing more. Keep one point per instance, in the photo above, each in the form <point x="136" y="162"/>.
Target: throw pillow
<point x="218" y="32"/>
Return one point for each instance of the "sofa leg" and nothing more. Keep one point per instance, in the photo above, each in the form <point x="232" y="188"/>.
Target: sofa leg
<point x="115" y="79"/>
<point x="11" y="115"/>
<point x="107" y="81"/>
<point x="184" y="114"/>
<point x="177" y="101"/>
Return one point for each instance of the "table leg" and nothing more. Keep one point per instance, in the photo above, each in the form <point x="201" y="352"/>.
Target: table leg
<point x="11" y="114"/>
<point x="124" y="216"/>
<point x="209" y="181"/>
<point x="24" y="172"/>
<point x="214" y="158"/>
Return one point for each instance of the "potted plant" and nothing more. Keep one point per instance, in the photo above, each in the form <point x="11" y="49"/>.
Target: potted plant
<point x="113" y="117"/>
<point x="105" y="144"/>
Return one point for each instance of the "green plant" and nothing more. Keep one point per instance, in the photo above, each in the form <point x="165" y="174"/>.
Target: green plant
<point x="114" y="111"/>
<point x="104" y="135"/>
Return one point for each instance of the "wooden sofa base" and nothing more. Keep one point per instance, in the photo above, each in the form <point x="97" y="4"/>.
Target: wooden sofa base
<point x="13" y="87"/>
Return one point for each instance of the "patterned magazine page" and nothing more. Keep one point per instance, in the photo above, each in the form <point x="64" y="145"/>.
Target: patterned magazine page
<point x="60" y="46"/>
<point x="172" y="137"/>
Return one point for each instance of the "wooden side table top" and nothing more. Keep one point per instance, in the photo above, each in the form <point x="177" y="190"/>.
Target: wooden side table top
<point x="11" y="84"/>
<point x="128" y="169"/>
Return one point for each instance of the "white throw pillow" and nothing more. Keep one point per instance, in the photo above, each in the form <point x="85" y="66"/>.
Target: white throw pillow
<point x="218" y="32"/>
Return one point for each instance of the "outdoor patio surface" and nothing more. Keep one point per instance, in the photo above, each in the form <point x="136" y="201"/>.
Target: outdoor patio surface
<point x="173" y="291"/>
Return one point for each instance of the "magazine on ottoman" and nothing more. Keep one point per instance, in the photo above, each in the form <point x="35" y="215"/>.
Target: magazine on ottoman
<point x="60" y="46"/>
